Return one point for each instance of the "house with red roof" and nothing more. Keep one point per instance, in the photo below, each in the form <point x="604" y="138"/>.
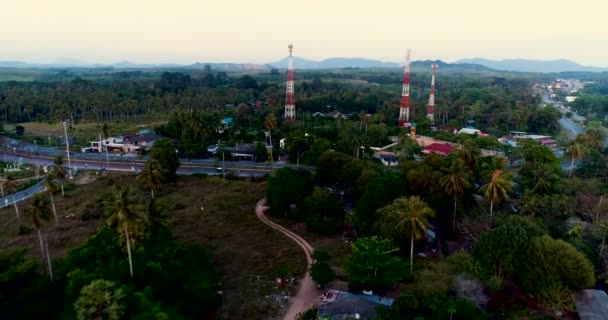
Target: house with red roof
<point x="439" y="148"/>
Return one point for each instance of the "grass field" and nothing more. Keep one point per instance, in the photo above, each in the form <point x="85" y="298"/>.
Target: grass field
<point x="218" y="214"/>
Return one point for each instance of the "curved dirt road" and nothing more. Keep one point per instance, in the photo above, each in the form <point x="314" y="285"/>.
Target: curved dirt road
<point x="308" y="294"/>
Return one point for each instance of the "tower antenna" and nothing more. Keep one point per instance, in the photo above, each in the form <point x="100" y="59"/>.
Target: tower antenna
<point x="290" y="100"/>
<point x="404" y="110"/>
<point x="430" y="110"/>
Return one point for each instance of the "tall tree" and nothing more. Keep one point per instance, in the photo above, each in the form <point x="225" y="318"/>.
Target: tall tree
<point x="406" y="217"/>
<point x="101" y="299"/>
<point x="544" y="179"/>
<point x="455" y="182"/>
<point x="124" y="217"/>
<point x="270" y="123"/>
<point x="165" y="153"/>
<point x="51" y="188"/>
<point x="373" y="263"/>
<point x="105" y="130"/>
<point x="575" y="151"/>
<point x="10" y="184"/>
<point x="497" y="187"/>
<point x="39" y="212"/>
<point x="59" y="172"/>
<point x="152" y="175"/>
<point x="469" y="153"/>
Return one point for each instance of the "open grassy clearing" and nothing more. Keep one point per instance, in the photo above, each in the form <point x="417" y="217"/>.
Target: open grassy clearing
<point x="220" y="215"/>
<point x="248" y="254"/>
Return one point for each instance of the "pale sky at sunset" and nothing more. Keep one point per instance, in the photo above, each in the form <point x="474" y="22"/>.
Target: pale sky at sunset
<point x="258" y="31"/>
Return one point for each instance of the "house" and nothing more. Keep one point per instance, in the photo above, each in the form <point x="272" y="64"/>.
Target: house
<point x="336" y="304"/>
<point x="244" y="150"/>
<point x="472" y="131"/>
<point x="389" y="159"/>
<point x="129" y="143"/>
<point x="143" y="140"/>
<point x="439" y="148"/>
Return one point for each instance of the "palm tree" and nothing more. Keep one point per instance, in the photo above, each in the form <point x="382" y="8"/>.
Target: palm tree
<point x="497" y="187"/>
<point x="39" y="212"/>
<point x="545" y="178"/>
<point x="59" y="171"/>
<point x="152" y="175"/>
<point x="575" y="151"/>
<point x="270" y="123"/>
<point x="406" y="216"/>
<point x="593" y="138"/>
<point x="124" y="217"/>
<point x="10" y="184"/>
<point x="455" y="183"/>
<point x="51" y="188"/>
<point x="469" y="153"/>
<point x="494" y="163"/>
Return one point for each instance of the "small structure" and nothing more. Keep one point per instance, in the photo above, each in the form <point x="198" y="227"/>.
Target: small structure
<point x="336" y="304"/>
<point x="389" y="159"/>
<point x="472" y="131"/>
<point x="440" y="148"/>
<point x="244" y="150"/>
<point x="592" y="304"/>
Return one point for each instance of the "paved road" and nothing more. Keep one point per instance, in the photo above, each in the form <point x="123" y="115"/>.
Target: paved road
<point x="21" y="195"/>
<point x="308" y="294"/>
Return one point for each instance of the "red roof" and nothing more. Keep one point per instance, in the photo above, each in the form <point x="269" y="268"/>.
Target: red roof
<point x="439" y="148"/>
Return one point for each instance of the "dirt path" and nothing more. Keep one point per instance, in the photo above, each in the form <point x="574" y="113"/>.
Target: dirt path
<point x="308" y="294"/>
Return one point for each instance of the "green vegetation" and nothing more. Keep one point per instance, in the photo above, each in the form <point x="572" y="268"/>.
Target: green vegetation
<point x="485" y="237"/>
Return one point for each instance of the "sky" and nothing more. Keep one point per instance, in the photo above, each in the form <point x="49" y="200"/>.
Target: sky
<point x="258" y="31"/>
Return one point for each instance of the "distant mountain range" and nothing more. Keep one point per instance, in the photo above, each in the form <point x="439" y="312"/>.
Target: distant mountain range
<point x="475" y="65"/>
<point x="525" y="65"/>
<point x="334" y="63"/>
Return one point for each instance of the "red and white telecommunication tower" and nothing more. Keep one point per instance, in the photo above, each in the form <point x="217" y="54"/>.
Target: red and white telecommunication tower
<point x="404" y="110"/>
<point x="430" y="110"/>
<point x="290" y="100"/>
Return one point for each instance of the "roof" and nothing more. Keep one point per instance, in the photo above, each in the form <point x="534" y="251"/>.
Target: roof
<point x="244" y="148"/>
<point x="144" y="137"/>
<point x="440" y="148"/>
<point x="592" y="304"/>
<point x="336" y="304"/>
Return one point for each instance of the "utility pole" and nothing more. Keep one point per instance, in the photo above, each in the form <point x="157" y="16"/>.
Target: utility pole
<point x="290" y="100"/>
<point x="37" y="164"/>
<point x="67" y="147"/>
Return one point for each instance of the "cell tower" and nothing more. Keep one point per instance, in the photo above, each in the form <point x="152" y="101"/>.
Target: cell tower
<point x="430" y="110"/>
<point x="404" y="111"/>
<point x="290" y="100"/>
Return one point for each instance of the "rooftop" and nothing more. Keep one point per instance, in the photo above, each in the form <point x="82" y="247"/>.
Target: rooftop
<point x="440" y="148"/>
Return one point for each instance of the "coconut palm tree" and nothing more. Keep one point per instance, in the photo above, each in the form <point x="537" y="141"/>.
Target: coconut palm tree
<point x="575" y="151"/>
<point x="469" y="153"/>
<point x="455" y="182"/>
<point x="152" y="175"/>
<point x="51" y="188"/>
<point x="59" y="171"/>
<point x="497" y="187"/>
<point x="10" y="184"/>
<point x="39" y="212"/>
<point x="124" y="217"/>
<point x="545" y="178"/>
<point x="492" y="164"/>
<point x="406" y="217"/>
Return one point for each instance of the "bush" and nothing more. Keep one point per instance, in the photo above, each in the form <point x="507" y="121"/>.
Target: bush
<point x="551" y="263"/>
